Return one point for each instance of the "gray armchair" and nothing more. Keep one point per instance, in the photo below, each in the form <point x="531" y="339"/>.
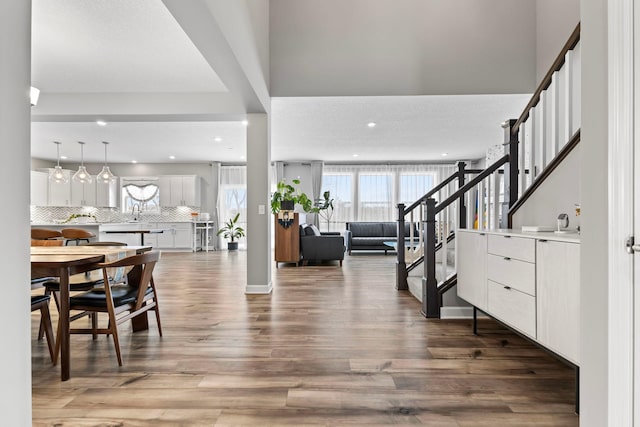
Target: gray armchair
<point x="316" y="246"/>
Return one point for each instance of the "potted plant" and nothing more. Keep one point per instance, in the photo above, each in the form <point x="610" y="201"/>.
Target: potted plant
<point x="287" y="196"/>
<point x="325" y="207"/>
<point x="232" y="231"/>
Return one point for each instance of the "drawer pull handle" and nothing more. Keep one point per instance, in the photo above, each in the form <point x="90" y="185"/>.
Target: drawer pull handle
<point x="542" y="240"/>
<point x="507" y="258"/>
<point x="507" y="237"/>
<point x="508" y="288"/>
<point x="482" y="234"/>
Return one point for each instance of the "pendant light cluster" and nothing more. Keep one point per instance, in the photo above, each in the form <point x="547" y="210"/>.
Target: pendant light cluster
<point x="82" y="176"/>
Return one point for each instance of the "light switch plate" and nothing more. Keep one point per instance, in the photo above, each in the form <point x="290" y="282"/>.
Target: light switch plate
<point x="261" y="209"/>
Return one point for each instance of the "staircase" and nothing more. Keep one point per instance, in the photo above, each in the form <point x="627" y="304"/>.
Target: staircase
<point x="534" y="145"/>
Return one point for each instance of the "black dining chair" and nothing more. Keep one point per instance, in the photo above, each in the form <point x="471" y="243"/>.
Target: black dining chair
<point x="41" y="303"/>
<point x="121" y="301"/>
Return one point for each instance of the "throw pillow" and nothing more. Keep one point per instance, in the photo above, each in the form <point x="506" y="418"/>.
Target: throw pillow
<point x="315" y="230"/>
<point x="308" y="231"/>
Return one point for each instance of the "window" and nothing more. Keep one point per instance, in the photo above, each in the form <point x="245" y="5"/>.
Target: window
<point x="414" y="185"/>
<point x="145" y="195"/>
<point x="232" y="195"/>
<point x="375" y="201"/>
<point x="341" y="188"/>
<point x="372" y="192"/>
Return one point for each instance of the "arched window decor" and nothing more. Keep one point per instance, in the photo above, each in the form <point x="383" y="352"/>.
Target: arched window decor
<point x="144" y="194"/>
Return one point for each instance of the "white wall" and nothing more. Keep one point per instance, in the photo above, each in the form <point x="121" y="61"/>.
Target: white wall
<point x="555" y="21"/>
<point x="557" y="194"/>
<point x="15" y="76"/>
<point x="594" y="235"/>
<point x="402" y="47"/>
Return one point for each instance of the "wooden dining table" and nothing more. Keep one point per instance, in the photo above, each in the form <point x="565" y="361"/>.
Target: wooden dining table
<point x="65" y="261"/>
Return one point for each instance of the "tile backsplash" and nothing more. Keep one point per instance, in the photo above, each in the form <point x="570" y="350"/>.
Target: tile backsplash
<point x="50" y="214"/>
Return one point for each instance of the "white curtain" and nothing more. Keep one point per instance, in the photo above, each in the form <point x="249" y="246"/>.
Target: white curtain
<point x="215" y="194"/>
<point x="232" y="195"/>
<point x="316" y="185"/>
<point x="372" y="192"/>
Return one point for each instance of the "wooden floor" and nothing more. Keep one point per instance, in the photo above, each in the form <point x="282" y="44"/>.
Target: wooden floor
<point x="331" y="346"/>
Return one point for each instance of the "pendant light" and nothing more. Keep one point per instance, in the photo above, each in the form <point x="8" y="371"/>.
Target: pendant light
<point x="82" y="176"/>
<point x="105" y="176"/>
<point x="56" y="174"/>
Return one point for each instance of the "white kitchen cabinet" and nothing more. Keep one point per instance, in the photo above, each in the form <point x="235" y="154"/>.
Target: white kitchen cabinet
<point x="179" y="190"/>
<point x="471" y="262"/>
<point x="39" y="188"/>
<point x="183" y="237"/>
<point x="107" y="195"/>
<point x="558" y="298"/>
<point x="83" y="194"/>
<point x="177" y="235"/>
<point x="165" y="239"/>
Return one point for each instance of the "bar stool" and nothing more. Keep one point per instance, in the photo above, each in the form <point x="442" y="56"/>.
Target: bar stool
<point x="45" y="234"/>
<point x="76" y="235"/>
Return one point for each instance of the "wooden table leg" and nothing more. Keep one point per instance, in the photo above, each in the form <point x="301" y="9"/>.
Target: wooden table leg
<point x="141" y="321"/>
<point x="63" y="324"/>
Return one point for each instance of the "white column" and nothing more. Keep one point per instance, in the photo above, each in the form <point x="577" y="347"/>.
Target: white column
<point x="15" y="122"/>
<point x="258" y="212"/>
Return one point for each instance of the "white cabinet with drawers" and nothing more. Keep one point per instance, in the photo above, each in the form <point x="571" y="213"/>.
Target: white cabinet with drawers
<point x="472" y="274"/>
<point x="529" y="281"/>
<point x="558" y="273"/>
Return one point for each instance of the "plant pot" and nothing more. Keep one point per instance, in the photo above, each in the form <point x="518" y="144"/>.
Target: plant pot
<point x="287" y="205"/>
<point x="232" y="246"/>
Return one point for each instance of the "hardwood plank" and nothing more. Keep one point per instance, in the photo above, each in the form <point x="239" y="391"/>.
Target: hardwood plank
<point x="330" y="347"/>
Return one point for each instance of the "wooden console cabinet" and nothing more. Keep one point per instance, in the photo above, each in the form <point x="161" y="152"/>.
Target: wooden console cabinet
<point x="287" y="241"/>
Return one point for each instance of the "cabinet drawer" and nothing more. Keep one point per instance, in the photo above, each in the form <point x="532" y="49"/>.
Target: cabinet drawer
<point x="513" y="307"/>
<point x="520" y="275"/>
<point x="513" y="247"/>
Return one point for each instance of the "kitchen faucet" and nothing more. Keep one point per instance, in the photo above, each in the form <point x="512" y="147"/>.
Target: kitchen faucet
<point x="136" y="217"/>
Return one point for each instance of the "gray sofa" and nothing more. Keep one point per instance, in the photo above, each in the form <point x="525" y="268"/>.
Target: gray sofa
<point x="316" y="246"/>
<point x="372" y="235"/>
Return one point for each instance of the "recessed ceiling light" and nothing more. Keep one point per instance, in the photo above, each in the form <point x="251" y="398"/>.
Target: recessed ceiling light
<point x="242" y="157"/>
<point x="355" y="155"/>
<point x="172" y="157"/>
<point x="64" y="157"/>
<point x="245" y="122"/>
<point x="217" y="139"/>
<point x="134" y="161"/>
<point x="101" y="123"/>
<point x="371" y="124"/>
<point x="445" y="154"/>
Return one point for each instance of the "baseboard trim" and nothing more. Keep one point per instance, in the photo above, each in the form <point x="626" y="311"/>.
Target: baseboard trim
<point x="258" y="289"/>
<point x="458" y="313"/>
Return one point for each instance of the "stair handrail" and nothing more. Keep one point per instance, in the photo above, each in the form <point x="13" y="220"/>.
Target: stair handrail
<point x="431" y="298"/>
<point x="468" y="186"/>
<point x="431" y="192"/>
<point x="571" y="43"/>
<point x="401" y="266"/>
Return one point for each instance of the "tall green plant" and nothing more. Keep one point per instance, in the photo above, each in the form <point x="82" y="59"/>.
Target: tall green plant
<point x="231" y="230"/>
<point x="325" y="207"/>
